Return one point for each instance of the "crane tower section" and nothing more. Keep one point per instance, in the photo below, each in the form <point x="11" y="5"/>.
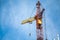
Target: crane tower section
<point x="38" y="17"/>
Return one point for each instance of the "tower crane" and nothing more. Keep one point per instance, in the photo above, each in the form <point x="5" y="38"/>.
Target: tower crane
<point x="38" y="18"/>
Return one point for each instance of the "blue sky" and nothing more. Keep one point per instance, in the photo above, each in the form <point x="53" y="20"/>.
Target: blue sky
<point x="12" y="12"/>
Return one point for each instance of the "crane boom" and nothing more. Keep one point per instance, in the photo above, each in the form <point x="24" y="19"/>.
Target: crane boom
<point x="28" y="20"/>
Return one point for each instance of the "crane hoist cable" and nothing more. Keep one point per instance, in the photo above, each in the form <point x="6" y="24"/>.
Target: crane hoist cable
<point x="30" y="17"/>
<point x="32" y="11"/>
<point x="45" y="27"/>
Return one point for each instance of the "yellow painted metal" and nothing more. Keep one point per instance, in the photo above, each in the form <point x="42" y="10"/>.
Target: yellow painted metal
<point x="39" y="21"/>
<point x="28" y="20"/>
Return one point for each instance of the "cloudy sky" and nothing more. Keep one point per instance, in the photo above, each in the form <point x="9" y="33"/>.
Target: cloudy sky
<point x="12" y="12"/>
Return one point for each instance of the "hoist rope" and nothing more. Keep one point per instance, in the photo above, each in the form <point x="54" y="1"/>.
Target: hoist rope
<point x="45" y="27"/>
<point x="32" y="11"/>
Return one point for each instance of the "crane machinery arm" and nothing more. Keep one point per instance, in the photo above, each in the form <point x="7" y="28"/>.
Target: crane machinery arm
<point x="28" y="20"/>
